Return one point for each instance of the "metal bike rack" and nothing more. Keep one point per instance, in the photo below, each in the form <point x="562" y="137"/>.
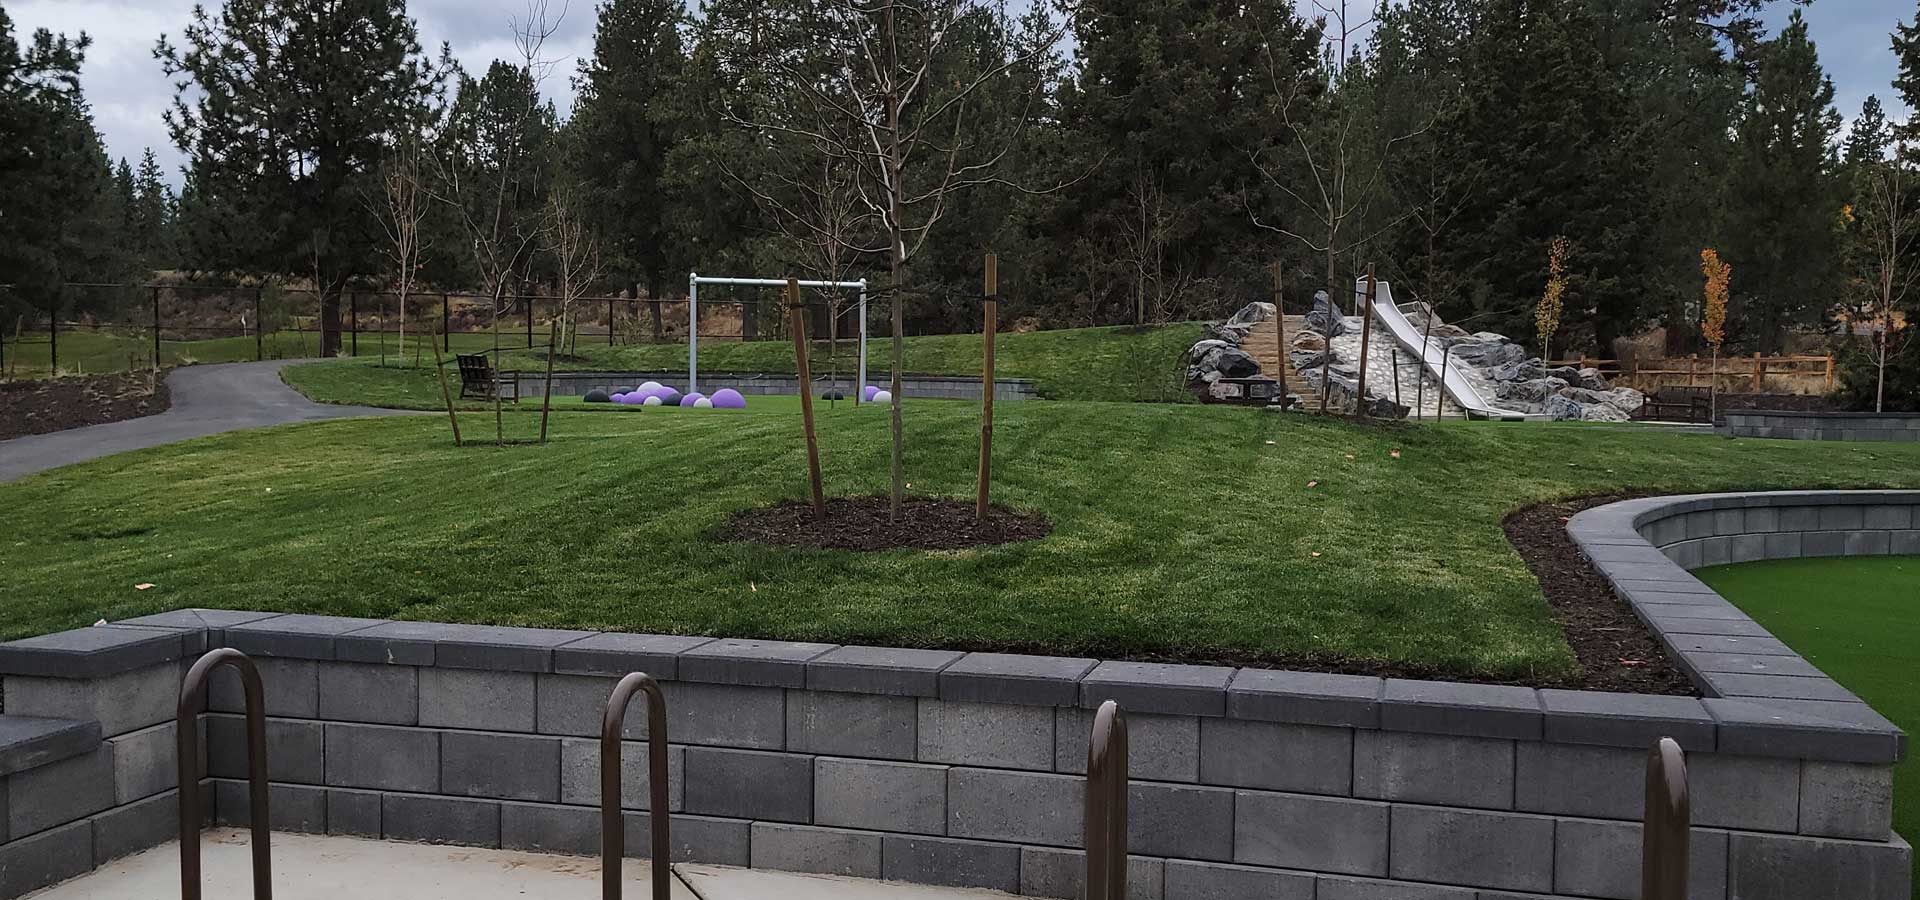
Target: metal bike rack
<point x="187" y="732"/>
<point x="1105" y="834"/>
<point x="613" y="827"/>
<point x="1665" y="836"/>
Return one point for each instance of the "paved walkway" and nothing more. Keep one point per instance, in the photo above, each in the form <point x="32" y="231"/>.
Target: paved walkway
<point x="206" y="400"/>
<point x="314" y="867"/>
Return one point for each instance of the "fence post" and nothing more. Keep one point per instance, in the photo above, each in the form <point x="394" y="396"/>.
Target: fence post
<point x="609" y="321"/>
<point x="353" y="321"/>
<point x="53" y="338"/>
<point x="259" y="346"/>
<point x="1665" y="836"/>
<point x="446" y="317"/>
<point x="156" y="326"/>
<point x="1829" y="373"/>
<point x="1759" y="371"/>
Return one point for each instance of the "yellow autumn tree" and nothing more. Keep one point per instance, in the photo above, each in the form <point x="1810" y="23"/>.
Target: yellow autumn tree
<point x="1713" y="326"/>
<point x="1553" y="302"/>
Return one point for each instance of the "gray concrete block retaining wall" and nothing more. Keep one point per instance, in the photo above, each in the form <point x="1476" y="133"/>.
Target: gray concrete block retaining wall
<point x="965" y="768"/>
<point x="934" y="387"/>
<point x="1822" y="426"/>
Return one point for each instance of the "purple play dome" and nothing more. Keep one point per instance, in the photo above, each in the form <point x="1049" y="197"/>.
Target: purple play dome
<point x="728" y="398"/>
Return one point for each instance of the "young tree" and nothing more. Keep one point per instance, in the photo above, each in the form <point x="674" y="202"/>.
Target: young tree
<point x="402" y="208"/>
<point x="283" y="108"/>
<point x="1713" y="326"/>
<point x="1546" y="314"/>
<point x="576" y="257"/>
<point x="1887" y="260"/>
<point x="884" y="88"/>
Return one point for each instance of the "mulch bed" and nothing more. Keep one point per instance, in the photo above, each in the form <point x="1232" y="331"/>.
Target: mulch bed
<point x="1616" y="650"/>
<point x="860" y="523"/>
<point x="56" y="404"/>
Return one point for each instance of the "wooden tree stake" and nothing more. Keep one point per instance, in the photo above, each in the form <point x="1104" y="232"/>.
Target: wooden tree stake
<point x="1280" y="322"/>
<point x="798" y="313"/>
<point x="992" y="316"/>
<point x="446" y="395"/>
<point x="1366" y="332"/>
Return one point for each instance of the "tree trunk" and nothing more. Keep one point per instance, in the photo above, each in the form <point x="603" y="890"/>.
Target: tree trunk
<point x="897" y="254"/>
<point x="654" y="291"/>
<point x="329" y="321"/>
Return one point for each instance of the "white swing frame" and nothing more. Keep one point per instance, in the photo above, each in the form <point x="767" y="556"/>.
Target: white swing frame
<point x="695" y="280"/>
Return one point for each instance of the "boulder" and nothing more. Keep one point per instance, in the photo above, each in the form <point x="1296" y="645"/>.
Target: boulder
<point x="1211" y="360"/>
<point x="1533" y="392"/>
<point x="1250" y="315"/>
<point x="1524" y="370"/>
<point x="1481" y="353"/>
<point x="1326" y="317"/>
<point x="1591" y="380"/>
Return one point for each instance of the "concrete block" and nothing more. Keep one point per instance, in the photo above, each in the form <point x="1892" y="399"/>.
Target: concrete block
<point x="1159" y="748"/>
<point x="766" y="663"/>
<point x="1158" y="688"/>
<point x="1716" y="551"/>
<point x="574" y="704"/>
<point x="1729" y="522"/>
<point x="143" y="763"/>
<point x="1636" y="720"/>
<point x="1747" y="793"/>
<point x="1799" y="518"/>
<point x="1342" y="887"/>
<point x="1015" y="678"/>
<point x="1747" y="548"/>
<point x="1574" y="780"/>
<point x="1305" y="759"/>
<point x="998" y="735"/>
<point x="1824" y="543"/>
<point x="1904" y="543"/>
<point x="1443" y="707"/>
<point x="214" y="621"/>
<point x="540" y="828"/>
<point x="1180" y="821"/>
<point x="121" y="703"/>
<point x="1321" y="834"/>
<point x="1868" y="543"/>
<point x="580" y="774"/>
<point x="290" y="688"/>
<point x="383" y="758"/>
<point x="1751" y="664"/>
<point x="873" y="726"/>
<point x="749" y="784"/>
<point x="1017" y="807"/>
<point x="1600" y="859"/>
<point x="616" y="654"/>
<point x="1779" y="687"/>
<point x="1187" y="880"/>
<point x="1843" y="518"/>
<point x="362" y="692"/>
<point x="1761" y="645"/>
<point x="1779" y="867"/>
<point x="296" y="749"/>
<point x="1432" y="768"/>
<point x="1846" y="800"/>
<point x="880" y="796"/>
<point x="500" y="766"/>
<point x="94" y="652"/>
<point x="500" y="648"/>
<point x="57" y="793"/>
<point x="824" y="851"/>
<point x="297" y="636"/>
<point x="1048" y="872"/>
<point x="1477" y="849"/>
<point x="951" y="863"/>
<point x="355" y="813"/>
<point x="697" y="839"/>
<point x="1888" y="517"/>
<point x="440" y="820"/>
<point x="29" y="742"/>
<point x="1782" y="546"/>
<point x="1761" y="520"/>
<point x="715" y="714"/>
<point x="137" y="826"/>
<point x="290" y="807"/>
<point x="391" y="643"/>
<point x="1809" y="729"/>
<point x="477" y="699"/>
<point x="50" y="857"/>
<point x="880" y="670"/>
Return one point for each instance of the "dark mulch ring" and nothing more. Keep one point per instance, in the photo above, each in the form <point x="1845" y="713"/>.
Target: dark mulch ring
<point x="1616" y="650"/>
<point x="860" y="523"/>
<point x="56" y="404"/>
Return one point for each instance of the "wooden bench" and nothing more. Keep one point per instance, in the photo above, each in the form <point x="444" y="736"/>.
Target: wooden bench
<point x="479" y="381"/>
<point x="1676" y="403"/>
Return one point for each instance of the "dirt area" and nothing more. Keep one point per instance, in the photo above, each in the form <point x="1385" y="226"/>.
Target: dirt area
<point x="56" y="404"/>
<point x="860" y="523"/>
<point x="1615" y="649"/>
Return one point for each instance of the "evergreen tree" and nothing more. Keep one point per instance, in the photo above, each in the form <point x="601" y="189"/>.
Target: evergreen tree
<point x="152" y="218"/>
<point x="1784" y="200"/>
<point x="1869" y="136"/>
<point x="284" y="108"/>
<point x="622" y="132"/>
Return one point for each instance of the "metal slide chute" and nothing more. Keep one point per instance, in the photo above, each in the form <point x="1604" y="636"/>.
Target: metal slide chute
<point x="1460" y="389"/>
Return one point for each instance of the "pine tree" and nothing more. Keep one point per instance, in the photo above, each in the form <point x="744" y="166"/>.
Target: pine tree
<point x="1869" y="137"/>
<point x="152" y="220"/>
<point x="623" y="130"/>
<point x="284" y="109"/>
<point x="1784" y="199"/>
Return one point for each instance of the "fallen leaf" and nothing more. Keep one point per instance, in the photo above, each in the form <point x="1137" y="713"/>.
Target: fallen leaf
<point x="1394" y="453"/>
<point x="1313" y="484"/>
<point x="1316" y="554"/>
<point x="1347" y="455"/>
<point x="99" y="623"/>
<point x="142" y="586"/>
<point x="1272" y="443"/>
<point x="753" y="587"/>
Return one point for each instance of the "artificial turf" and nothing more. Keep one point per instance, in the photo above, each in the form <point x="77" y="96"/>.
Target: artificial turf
<point x="1856" y="618"/>
<point x="1180" y="531"/>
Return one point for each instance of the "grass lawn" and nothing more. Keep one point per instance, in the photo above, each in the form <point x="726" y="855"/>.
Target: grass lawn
<point x="1076" y="364"/>
<point x="1855" y="619"/>
<point x="1179" y="530"/>
<point x="97" y="352"/>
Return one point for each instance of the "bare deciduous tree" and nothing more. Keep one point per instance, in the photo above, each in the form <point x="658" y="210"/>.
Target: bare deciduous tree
<point x="1889" y="227"/>
<point x="576" y="252"/>
<point x="401" y="209"/>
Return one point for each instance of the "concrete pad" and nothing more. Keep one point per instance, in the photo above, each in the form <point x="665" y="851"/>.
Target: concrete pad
<point x="317" y="867"/>
<point x="721" y="883"/>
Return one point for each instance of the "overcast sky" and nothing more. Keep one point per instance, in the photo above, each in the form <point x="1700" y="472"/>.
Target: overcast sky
<point x="129" y="92"/>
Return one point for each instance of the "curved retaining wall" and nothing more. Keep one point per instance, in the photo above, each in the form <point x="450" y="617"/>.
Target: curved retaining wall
<point x="952" y="768"/>
<point x="1823" y="426"/>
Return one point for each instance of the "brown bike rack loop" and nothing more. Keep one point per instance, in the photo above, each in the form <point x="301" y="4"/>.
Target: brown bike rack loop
<point x="613" y="827"/>
<point x="1664" y="837"/>
<point x="1106" y="805"/>
<point x="187" y="732"/>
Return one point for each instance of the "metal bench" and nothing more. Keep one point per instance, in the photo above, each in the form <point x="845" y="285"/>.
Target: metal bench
<point x="479" y="380"/>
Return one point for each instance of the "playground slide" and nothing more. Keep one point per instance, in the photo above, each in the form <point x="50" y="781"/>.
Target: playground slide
<point x="1459" y="388"/>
